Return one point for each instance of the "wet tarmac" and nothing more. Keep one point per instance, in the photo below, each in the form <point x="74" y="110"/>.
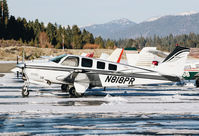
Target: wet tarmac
<point x="99" y="124"/>
<point x="143" y="110"/>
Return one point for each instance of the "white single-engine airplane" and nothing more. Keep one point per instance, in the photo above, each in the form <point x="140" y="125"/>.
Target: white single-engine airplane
<point x="79" y="73"/>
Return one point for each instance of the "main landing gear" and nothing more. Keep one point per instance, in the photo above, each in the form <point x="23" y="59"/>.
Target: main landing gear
<point x="71" y="89"/>
<point x="25" y="91"/>
<point x="65" y="88"/>
<point x="73" y="92"/>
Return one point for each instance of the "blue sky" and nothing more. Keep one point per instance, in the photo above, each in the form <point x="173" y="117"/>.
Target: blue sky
<point x="85" y="12"/>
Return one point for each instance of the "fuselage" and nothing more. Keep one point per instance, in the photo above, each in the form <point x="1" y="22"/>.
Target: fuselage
<point x="68" y="69"/>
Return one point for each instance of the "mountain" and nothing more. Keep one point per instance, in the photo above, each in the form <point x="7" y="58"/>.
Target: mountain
<point x="106" y="29"/>
<point x="161" y="26"/>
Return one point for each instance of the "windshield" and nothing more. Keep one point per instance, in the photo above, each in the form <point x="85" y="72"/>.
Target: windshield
<point x="58" y="58"/>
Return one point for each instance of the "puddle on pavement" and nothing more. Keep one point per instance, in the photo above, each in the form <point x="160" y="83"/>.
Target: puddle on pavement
<point x="80" y="103"/>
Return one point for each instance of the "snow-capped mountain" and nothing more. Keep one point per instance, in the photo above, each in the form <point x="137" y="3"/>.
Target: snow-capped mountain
<point x="186" y="13"/>
<point x="182" y="23"/>
<point x="111" y="27"/>
<point x="178" y="14"/>
<point x="122" y="21"/>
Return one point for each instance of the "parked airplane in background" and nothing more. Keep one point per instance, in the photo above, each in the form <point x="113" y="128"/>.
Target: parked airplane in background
<point x="145" y="57"/>
<point x="151" y="57"/>
<point x="116" y="55"/>
<point x="91" y="55"/>
<point x="191" y="72"/>
<point x="79" y="73"/>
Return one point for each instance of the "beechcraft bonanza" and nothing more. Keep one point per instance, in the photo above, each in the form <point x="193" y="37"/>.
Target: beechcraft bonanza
<point x="78" y="73"/>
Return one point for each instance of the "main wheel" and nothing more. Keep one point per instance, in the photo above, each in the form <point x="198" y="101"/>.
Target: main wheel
<point x="73" y="92"/>
<point x="64" y="88"/>
<point x="25" y="91"/>
<point x="197" y="82"/>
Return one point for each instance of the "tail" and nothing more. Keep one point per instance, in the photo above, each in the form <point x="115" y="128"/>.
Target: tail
<point x="88" y="54"/>
<point x="116" y="55"/>
<point x="174" y="63"/>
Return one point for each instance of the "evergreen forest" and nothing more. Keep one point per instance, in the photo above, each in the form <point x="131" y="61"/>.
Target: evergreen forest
<point x="35" y="33"/>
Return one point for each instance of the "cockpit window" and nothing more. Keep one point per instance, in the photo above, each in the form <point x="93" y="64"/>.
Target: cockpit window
<point x="57" y="58"/>
<point x="71" y="61"/>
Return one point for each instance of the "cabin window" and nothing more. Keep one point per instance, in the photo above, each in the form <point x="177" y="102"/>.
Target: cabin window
<point x="71" y="61"/>
<point x="112" y="67"/>
<point x="87" y="62"/>
<point x="100" y="65"/>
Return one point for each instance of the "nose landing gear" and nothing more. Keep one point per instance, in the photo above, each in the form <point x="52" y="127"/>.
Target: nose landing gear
<point x="25" y="91"/>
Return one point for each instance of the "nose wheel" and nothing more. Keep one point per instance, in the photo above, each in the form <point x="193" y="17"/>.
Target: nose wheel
<point x="25" y="91"/>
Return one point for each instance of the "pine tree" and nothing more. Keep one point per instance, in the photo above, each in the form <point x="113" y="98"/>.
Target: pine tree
<point x="51" y="32"/>
<point x="76" y="37"/>
<point x="99" y="41"/>
<point x="5" y="12"/>
<point x="1" y="19"/>
<point x="1" y="13"/>
<point x="87" y="37"/>
<point x="68" y="37"/>
<point x="110" y="44"/>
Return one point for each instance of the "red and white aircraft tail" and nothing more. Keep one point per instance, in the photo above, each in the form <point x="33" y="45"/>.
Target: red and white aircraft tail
<point x="90" y="55"/>
<point x="114" y="57"/>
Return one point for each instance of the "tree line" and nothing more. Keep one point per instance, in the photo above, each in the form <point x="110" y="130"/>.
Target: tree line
<point x="35" y="33"/>
<point x="167" y="43"/>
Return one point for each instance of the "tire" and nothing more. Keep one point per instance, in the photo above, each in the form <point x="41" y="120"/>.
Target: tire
<point x="64" y="88"/>
<point x="197" y="82"/>
<point x="25" y="92"/>
<point x="73" y="92"/>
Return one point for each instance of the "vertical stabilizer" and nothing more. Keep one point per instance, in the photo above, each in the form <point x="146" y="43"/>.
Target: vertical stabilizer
<point x="116" y="55"/>
<point x="174" y="63"/>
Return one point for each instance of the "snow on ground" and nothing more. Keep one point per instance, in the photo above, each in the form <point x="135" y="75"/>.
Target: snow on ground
<point x="139" y="110"/>
<point x="166" y="99"/>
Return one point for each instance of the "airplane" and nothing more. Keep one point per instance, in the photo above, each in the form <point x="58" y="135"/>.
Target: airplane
<point x="145" y="57"/>
<point x="88" y="54"/>
<point x="79" y="73"/>
<point x="191" y="72"/>
<point x="115" y="57"/>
